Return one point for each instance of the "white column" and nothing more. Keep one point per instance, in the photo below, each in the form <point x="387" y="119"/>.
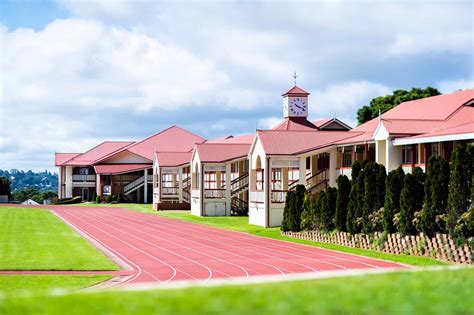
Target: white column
<point x="387" y="154"/>
<point x="302" y="171"/>
<point x="97" y="185"/>
<point x="68" y="182"/>
<point x="180" y="184"/>
<point x="267" y="190"/>
<point x="333" y="167"/>
<point x="145" y="186"/>
<point x="228" y="189"/>
<point x="60" y="182"/>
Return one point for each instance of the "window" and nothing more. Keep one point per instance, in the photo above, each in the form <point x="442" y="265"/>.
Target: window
<point x="222" y="179"/>
<point x="293" y="175"/>
<point x="347" y="156"/>
<point x="167" y="180"/>
<point x="359" y="153"/>
<point x="210" y="180"/>
<point x="434" y="149"/>
<point x="406" y="154"/>
<point x="259" y="179"/>
<point x="276" y="179"/>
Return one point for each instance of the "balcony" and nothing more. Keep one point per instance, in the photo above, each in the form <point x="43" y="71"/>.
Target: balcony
<point x="173" y="191"/>
<point x="218" y="193"/>
<point x="83" y="178"/>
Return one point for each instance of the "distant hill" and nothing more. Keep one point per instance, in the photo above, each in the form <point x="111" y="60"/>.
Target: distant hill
<point x="42" y="181"/>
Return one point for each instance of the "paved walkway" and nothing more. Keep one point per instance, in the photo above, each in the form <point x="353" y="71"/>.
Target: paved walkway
<point x="156" y="249"/>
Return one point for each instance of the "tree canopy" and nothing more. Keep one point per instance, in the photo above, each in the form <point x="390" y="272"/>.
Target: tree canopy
<point x="387" y="102"/>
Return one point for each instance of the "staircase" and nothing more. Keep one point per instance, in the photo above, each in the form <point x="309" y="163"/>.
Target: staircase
<point x="134" y="185"/>
<point x="239" y="185"/>
<point x="317" y="182"/>
<point x="186" y="189"/>
<point x="239" y="207"/>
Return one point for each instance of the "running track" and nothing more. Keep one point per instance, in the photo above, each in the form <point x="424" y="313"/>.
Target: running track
<point x="159" y="249"/>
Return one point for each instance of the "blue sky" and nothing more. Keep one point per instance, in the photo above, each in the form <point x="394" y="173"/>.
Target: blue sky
<point x="75" y="73"/>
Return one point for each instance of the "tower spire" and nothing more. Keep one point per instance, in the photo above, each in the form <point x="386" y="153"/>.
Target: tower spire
<point x="295" y="76"/>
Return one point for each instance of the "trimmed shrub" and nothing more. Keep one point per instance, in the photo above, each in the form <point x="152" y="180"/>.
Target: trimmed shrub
<point x="354" y="209"/>
<point x="459" y="189"/>
<point x="97" y="199"/>
<point x="408" y="204"/>
<point x="436" y="196"/>
<point x="420" y="178"/>
<point x="120" y="197"/>
<point x="307" y="216"/>
<point x="380" y="179"/>
<point x="107" y="199"/>
<point x="394" y="185"/>
<point x="370" y="172"/>
<point x="328" y="209"/>
<point x="342" y="201"/>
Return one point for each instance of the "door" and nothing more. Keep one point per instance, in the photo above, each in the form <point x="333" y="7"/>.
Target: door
<point x="85" y="194"/>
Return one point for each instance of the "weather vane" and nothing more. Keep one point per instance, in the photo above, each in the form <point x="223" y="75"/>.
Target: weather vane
<point x="295" y="76"/>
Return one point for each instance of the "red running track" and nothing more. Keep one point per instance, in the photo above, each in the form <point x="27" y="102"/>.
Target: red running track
<point x="161" y="249"/>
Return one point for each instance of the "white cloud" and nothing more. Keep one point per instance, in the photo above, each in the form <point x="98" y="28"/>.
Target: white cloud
<point x="268" y="122"/>
<point x="450" y="86"/>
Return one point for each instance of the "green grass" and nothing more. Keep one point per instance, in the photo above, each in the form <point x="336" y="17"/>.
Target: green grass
<point x="27" y="285"/>
<point x="426" y="292"/>
<point x="35" y="239"/>
<point x="241" y="224"/>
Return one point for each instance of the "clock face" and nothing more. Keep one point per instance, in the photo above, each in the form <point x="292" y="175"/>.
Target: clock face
<point x="298" y="106"/>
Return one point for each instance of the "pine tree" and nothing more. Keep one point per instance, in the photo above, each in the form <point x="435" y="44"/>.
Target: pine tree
<point x="420" y="178"/>
<point x="459" y="190"/>
<point x="300" y="191"/>
<point x="353" y="205"/>
<point x="369" y="197"/>
<point x="342" y="201"/>
<point x="436" y="195"/>
<point x="408" y="204"/>
<point x="286" y="224"/>
<point x="380" y="180"/>
<point x="328" y="208"/>
<point x="393" y="187"/>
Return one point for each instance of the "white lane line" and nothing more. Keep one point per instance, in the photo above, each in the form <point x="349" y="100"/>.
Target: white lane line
<point x="116" y="218"/>
<point x="240" y="248"/>
<point x="129" y="262"/>
<point x="154" y="245"/>
<point x="270" y="242"/>
<point x="132" y="246"/>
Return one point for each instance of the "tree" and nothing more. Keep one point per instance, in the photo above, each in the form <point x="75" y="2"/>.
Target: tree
<point x="408" y="204"/>
<point x="459" y="188"/>
<point x="307" y="216"/>
<point x="328" y="209"/>
<point x="5" y="187"/>
<point x="370" y="178"/>
<point x="342" y="201"/>
<point x="385" y="103"/>
<point x="420" y="178"/>
<point x="436" y="196"/>
<point x="293" y="209"/>
<point x="353" y="209"/>
<point x="393" y="188"/>
<point x="380" y="179"/>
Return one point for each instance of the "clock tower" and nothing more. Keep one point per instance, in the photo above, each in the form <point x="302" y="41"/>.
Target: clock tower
<point x="295" y="103"/>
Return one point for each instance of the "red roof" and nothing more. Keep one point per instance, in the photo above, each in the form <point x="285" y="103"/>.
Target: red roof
<point x="173" y="159"/>
<point x="296" y="91"/>
<point x="173" y="139"/>
<point x="97" y="152"/>
<point x="322" y="122"/>
<point x="456" y="130"/>
<point x="430" y="108"/>
<point x="278" y="142"/>
<point x="119" y="168"/>
<point x="221" y="152"/>
<point x="295" y="123"/>
<point x="61" y="158"/>
<point x="243" y="139"/>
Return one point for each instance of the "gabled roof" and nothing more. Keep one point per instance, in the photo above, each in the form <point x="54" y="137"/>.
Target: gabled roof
<point x="173" y="139"/>
<point x="221" y="152"/>
<point x="430" y="108"/>
<point x="329" y="123"/>
<point x="297" y="91"/>
<point x="278" y="142"/>
<point x="243" y="139"/>
<point x="295" y="123"/>
<point x="97" y="152"/>
<point x="61" y="158"/>
<point x="173" y="159"/>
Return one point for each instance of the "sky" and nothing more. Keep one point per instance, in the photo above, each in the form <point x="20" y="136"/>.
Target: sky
<point x="76" y="73"/>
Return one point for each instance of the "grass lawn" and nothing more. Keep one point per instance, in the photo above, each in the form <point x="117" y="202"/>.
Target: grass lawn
<point x="35" y="239"/>
<point x="27" y="285"/>
<point x="241" y="224"/>
<point x="427" y="292"/>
